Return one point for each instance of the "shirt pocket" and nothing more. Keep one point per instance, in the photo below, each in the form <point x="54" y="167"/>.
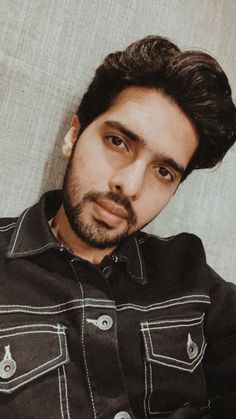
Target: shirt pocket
<point x="31" y="361"/>
<point x="174" y="376"/>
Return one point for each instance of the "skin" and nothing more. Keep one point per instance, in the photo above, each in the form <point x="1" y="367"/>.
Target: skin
<point x="132" y="157"/>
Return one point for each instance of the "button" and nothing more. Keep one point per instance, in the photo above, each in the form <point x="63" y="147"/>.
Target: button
<point x="7" y="365"/>
<point x="104" y="322"/>
<point x="192" y="348"/>
<point x="122" y="415"/>
<point x="107" y="271"/>
<point x="7" y="368"/>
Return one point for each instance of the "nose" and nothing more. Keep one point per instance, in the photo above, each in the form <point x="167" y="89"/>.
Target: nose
<point x="129" y="180"/>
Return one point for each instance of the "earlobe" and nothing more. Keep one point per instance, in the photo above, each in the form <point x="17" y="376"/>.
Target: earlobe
<point x="71" y="137"/>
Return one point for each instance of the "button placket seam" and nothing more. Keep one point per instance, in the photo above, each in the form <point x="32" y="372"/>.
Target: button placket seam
<point x="60" y="393"/>
<point x="66" y="391"/>
<point x="84" y="356"/>
<point x="82" y="340"/>
<point x="146" y="389"/>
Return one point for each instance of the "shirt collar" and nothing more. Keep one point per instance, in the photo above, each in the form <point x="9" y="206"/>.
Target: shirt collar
<point x="131" y="254"/>
<point x="32" y="235"/>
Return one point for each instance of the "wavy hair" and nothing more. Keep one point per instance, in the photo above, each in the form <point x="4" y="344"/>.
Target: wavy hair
<point x="192" y="79"/>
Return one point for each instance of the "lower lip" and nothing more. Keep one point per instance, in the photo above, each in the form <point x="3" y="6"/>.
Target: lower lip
<point x="107" y="216"/>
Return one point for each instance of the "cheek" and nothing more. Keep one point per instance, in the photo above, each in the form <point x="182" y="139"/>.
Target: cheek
<point x="91" y="171"/>
<point x="152" y="203"/>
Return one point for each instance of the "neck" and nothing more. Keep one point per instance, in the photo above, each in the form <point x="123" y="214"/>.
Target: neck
<point x="65" y="235"/>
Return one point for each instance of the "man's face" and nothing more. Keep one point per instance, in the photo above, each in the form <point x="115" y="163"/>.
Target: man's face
<point x="126" y="166"/>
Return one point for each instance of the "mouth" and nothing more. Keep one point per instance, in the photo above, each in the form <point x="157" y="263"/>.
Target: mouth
<point x="110" y="212"/>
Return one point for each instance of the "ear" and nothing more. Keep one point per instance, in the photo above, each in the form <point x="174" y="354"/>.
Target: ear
<point x="70" y="137"/>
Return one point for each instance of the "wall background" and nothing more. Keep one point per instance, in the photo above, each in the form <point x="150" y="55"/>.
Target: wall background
<point x="48" y="53"/>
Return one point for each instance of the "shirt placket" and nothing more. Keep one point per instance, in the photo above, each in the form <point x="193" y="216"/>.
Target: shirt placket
<point x="102" y="365"/>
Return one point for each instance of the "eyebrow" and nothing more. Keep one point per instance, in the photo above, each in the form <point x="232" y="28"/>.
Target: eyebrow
<point x="169" y="161"/>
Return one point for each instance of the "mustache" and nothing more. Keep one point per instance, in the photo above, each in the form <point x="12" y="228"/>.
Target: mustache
<point x="116" y="198"/>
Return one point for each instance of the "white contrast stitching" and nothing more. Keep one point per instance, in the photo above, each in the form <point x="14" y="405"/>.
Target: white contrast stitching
<point x="172" y="326"/>
<point x="83" y="346"/>
<point x="60" y="395"/>
<point x="147" y="399"/>
<point x="30" y="379"/>
<point x="28" y="252"/>
<point x="175" y="359"/>
<point x="165" y="239"/>
<point x="183" y="298"/>
<point x="7" y="227"/>
<point x="150" y="395"/>
<point x="158" y="357"/>
<point x="53" y="312"/>
<point x="61" y="328"/>
<point x="56" y="308"/>
<point x="85" y="361"/>
<point x="17" y="233"/>
<point x="66" y="392"/>
<point x="31" y="332"/>
<point x="139" y="256"/>
<point x="181" y="320"/>
<point x="146" y="390"/>
<point x="35" y="369"/>
<point x="104" y="303"/>
<point x="145" y="344"/>
<point x="167" y="303"/>
<point x="151" y="388"/>
<point x="61" y="304"/>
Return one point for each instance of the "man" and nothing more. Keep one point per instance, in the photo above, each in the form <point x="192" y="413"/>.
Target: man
<point x="100" y="320"/>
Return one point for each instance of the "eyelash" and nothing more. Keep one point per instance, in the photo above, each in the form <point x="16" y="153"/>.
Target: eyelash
<point x="111" y="137"/>
<point x="169" y="174"/>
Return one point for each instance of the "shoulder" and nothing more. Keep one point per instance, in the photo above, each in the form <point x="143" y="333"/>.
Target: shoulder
<point x="223" y="293"/>
<point x="7" y="226"/>
<point x="184" y="246"/>
<point x="177" y="262"/>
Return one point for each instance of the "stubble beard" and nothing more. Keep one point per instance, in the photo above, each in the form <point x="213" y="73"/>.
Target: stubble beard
<point x="96" y="233"/>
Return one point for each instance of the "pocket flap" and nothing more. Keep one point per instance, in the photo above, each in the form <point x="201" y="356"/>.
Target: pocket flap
<point x="29" y="351"/>
<point x="176" y="343"/>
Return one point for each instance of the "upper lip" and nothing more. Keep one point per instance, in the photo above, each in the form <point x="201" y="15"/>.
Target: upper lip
<point x="112" y="207"/>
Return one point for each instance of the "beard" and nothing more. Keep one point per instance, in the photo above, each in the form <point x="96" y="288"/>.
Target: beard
<point x="94" y="232"/>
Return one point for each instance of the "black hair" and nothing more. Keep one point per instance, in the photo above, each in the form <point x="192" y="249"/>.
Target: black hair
<point x="192" y="79"/>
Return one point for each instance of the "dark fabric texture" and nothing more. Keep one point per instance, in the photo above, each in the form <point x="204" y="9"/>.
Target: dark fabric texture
<point x="149" y="333"/>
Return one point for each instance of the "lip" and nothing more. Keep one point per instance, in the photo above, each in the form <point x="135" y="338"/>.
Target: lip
<point x="110" y="212"/>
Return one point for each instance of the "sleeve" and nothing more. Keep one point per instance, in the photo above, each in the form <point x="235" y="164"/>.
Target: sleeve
<point x="220" y="360"/>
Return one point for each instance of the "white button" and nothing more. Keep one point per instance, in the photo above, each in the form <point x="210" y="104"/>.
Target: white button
<point x="192" y="348"/>
<point x="7" y="365"/>
<point x="104" y="322"/>
<point x="122" y="415"/>
<point x="7" y="368"/>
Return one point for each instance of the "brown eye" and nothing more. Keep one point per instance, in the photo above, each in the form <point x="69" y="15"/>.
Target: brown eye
<point x="116" y="142"/>
<point x="164" y="172"/>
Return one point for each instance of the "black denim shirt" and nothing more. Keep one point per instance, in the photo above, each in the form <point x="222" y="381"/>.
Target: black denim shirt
<point x="149" y="333"/>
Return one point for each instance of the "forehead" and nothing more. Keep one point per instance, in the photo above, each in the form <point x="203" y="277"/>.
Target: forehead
<point x="161" y="123"/>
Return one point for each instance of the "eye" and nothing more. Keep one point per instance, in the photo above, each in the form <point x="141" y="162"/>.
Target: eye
<point x="117" y="142"/>
<point x="164" y="173"/>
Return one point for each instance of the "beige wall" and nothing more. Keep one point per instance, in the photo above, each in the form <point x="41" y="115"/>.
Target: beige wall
<point x="48" y="52"/>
